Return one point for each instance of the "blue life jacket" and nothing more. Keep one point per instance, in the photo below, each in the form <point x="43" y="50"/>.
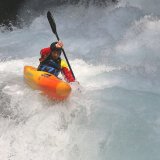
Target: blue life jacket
<point x="51" y="66"/>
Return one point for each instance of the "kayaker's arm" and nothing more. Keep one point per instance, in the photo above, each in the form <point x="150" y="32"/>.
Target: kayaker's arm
<point x="68" y="75"/>
<point x="44" y="53"/>
<point x="66" y="72"/>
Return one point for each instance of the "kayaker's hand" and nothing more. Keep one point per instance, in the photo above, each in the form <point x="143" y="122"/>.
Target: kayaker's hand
<point x="74" y="82"/>
<point x="59" y="44"/>
<point x="76" y="87"/>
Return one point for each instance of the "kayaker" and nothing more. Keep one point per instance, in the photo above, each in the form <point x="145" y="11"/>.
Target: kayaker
<point x="51" y="61"/>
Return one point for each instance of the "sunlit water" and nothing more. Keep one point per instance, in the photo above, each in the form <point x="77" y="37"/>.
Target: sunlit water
<point x="114" y="53"/>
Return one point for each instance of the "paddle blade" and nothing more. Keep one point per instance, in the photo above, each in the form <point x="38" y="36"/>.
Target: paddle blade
<point x="52" y="22"/>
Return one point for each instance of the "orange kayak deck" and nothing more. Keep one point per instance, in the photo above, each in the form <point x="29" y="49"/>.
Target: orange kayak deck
<point x="49" y="84"/>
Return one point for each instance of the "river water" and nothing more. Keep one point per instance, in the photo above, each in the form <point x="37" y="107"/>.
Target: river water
<point x="114" y="53"/>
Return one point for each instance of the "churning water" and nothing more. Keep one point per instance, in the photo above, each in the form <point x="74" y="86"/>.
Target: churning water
<point x="114" y="53"/>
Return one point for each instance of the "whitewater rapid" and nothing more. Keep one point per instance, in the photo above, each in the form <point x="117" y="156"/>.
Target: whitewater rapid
<point x="114" y="53"/>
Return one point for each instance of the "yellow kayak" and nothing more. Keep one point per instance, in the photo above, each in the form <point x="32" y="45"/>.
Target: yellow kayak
<point x="49" y="84"/>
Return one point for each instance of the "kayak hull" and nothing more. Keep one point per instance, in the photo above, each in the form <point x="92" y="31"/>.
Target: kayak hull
<point x="49" y="84"/>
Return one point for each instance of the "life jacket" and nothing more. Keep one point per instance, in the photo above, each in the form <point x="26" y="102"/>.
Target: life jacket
<point x="52" y="63"/>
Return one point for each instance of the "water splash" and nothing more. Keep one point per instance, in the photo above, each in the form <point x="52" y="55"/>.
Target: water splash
<point x="114" y="56"/>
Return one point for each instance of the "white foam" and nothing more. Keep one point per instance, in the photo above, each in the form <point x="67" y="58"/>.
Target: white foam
<point x="106" y="49"/>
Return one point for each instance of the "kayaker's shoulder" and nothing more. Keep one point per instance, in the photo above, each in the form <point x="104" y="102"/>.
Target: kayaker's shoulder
<point x="63" y="63"/>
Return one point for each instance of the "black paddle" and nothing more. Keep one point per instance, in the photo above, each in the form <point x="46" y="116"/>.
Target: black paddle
<point x="54" y="30"/>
